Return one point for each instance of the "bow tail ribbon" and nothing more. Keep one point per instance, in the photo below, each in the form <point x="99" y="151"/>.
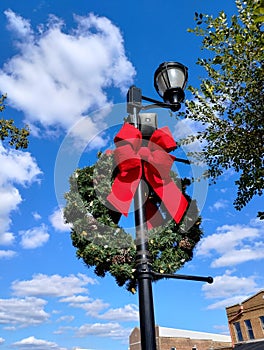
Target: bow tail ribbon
<point x="127" y="180"/>
<point x="173" y="199"/>
<point x="153" y="215"/>
<point x="122" y="193"/>
<point x="158" y="176"/>
<point x="121" y="196"/>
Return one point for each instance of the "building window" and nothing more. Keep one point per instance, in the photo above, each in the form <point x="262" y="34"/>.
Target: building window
<point x="249" y="329"/>
<point x="262" y="322"/>
<point x="238" y="331"/>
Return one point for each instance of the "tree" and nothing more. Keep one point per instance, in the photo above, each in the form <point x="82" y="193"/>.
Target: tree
<point x="229" y="101"/>
<point x="104" y="245"/>
<point x="9" y="132"/>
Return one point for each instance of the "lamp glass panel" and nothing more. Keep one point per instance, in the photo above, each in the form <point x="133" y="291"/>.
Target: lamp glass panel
<point x="162" y="82"/>
<point x="176" y="77"/>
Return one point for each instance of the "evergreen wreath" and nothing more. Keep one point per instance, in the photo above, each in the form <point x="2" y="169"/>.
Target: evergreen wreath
<point x="101" y="243"/>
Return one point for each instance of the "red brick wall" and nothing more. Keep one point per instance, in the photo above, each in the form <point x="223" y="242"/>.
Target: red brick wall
<point x="251" y="309"/>
<point x="166" y="343"/>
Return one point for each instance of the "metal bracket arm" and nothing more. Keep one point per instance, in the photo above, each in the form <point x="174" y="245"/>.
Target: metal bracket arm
<point x="158" y="276"/>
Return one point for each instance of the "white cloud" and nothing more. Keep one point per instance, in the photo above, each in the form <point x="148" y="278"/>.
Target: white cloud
<point x="227" y="286"/>
<point x="10" y="198"/>
<point x="226" y="237"/>
<point x="57" y="221"/>
<point x="74" y="69"/>
<point x="34" y="237"/>
<point x="36" y="344"/>
<point x="233" y="244"/>
<point x="75" y="299"/>
<point x="223" y="190"/>
<point x="229" y="289"/>
<point x="19" y="169"/>
<point x="7" y="254"/>
<point x="54" y="285"/>
<point x="222" y="304"/>
<point x="127" y="313"/>
<point x="66" y="318"/>
<point x="82" y="349"/>
<point x="63" y="330"/>
<point x="187" y="127"/>
<point x="2" y="340"/>
<point x="92" y="307"/>
<point x="238" y="256"/>
<point x="109" y="330"/>
<point x="256" y="222"/>
<point x="36" y="216"/>
<point x="18" y="24"/>
<point x="86" y="133"/>
<point x="23" y="312"/>
<point x="222" y="329"/>
<point x="220" y="204"/>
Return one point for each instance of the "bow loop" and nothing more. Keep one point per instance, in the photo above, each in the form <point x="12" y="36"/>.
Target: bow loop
<point x="126" y="158"/>
<point x="162" y="138"/>
<point x="160" y="165"/>
<point x="129" y="135"/>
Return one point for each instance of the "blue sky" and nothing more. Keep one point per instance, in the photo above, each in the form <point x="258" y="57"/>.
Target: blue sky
<point x="66" y="67"/>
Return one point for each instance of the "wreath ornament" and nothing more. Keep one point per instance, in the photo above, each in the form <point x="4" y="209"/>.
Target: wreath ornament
<point x="93" y="210"/>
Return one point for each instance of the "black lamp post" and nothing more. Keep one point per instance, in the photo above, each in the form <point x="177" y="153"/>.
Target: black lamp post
<point x="169" y="80"/>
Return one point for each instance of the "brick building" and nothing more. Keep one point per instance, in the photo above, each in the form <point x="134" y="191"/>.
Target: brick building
<point x="178" y="339"/>
<point x="246" y="323"/>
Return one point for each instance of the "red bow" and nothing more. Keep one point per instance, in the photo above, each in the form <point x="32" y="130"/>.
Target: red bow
<point x="157" y="164"/>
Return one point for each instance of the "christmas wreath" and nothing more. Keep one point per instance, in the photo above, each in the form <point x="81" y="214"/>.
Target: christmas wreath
<point x="101" y="243"/>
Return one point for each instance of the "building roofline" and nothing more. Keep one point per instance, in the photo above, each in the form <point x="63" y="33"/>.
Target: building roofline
<point x="259" y="292"/>
<point x="182" y="333"/>
<point x="247" y="299"/>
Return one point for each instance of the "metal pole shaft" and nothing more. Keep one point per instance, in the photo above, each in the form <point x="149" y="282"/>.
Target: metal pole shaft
<point x="143" y="266"/>
<point x="144" y="275"/>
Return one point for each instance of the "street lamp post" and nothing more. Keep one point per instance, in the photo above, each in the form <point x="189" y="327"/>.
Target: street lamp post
<point x="169" y="80"/>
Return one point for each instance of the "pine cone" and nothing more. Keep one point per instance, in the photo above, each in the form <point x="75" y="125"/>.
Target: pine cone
<point x="118" y="259"/>
<point x="185" y="244"/>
